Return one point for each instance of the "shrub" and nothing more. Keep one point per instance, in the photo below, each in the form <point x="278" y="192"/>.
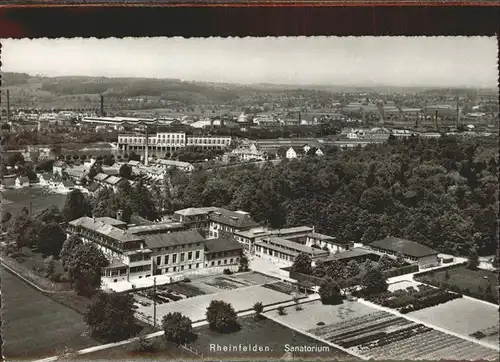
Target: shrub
<point x="320" y="323"/>
<point x="281" y="310"/>
<point x="56" y="277"/>
<point x="142" y="345"/>
<point x="187" y="280"/>
<point x="227" y="271"/>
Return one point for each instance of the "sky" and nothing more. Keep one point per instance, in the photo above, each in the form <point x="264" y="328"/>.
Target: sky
<point x="357" y="61"/>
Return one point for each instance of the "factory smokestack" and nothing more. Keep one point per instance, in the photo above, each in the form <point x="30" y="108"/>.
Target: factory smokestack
<point x="102" y="106"/>
<point x="458" y="114"/>
<point x="146" y="147"/>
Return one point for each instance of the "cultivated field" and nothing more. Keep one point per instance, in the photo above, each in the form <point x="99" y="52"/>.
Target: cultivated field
<point x="13" y="200"/>
<point x="382" y="335"/>
<point x="463" y="316"/>
<point x="35" y="326"/>
<point x="379" y="334"/>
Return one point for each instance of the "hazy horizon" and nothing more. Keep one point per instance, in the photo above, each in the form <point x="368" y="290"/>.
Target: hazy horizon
<point x="450" y="62"/>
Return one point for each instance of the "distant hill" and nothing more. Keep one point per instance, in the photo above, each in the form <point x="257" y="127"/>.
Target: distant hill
<point x="34" y="90"/>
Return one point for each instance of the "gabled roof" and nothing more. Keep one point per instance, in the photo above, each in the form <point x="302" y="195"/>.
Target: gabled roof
<point x="147" y="229"/>
<point x="110" y="221"/>
<point x="93" y="186"/>
<point x="403" y="246"/>
<point x="237" y="219"/>
<point x="113" y="180"/>
<point x="23" y="179"/>
<point x="68" y="183"/>
<point x="119" y="235"/>
<point x="195" y="211"/>
<point x="101" y="177"/>
<point x="133" y="163"/>
<point x="222" y="244"/>
<point x="173" y="239"/>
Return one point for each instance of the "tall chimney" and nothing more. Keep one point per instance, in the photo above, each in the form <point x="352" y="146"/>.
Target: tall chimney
<point x="146" y="146"/>
<point x="8" y="106"/>
<point x="436" y="121"/>
<point x="102" y="105"/>
<point x="458" y="113"/>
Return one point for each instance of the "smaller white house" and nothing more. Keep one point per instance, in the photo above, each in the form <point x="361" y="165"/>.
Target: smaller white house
<point x="22" y="181"/>
<point x="325" y="242"/>
<point x="295" y="152"/>
<point x="44" y="179"/>
<point x="64" y="186"/>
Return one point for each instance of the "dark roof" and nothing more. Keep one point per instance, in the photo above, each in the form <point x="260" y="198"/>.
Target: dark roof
<point x="110" y="221"/>
<point x="173" y="239"/>
<point x="149" y="229"/>
<point x="102" y="228"/>
<point x="403" y="246"/>
<point x="349" y="254"/>
<point x="68" y="183"/>
<point x="222" y="244"/>
<point x="93" y="186"/>
<point x="24" y="179"/>
<point x="235" y="219"/>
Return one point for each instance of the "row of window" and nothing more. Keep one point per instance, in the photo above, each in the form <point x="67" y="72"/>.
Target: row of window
<point x="139" y="257"/>
<point x="222" y="254"/>
<point x="166" y="258"/>
<point x="219" y="262"/>
<point x="181" y="268"/>
<point x="276" y="254"/>
<point x="175" y="247"/>
<point x="139" y="269"/>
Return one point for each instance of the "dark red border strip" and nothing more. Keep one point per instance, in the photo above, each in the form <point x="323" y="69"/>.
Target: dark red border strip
<point x="263" y="4"/>
<point x="93" y="21"/>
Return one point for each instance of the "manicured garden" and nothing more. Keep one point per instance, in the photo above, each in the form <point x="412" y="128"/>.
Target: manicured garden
<point x="481" y="284"/>
<point x="412" y="299"/>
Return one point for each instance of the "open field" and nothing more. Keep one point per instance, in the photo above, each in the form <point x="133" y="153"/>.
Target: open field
<point x="382" y="335"/>
<point x="463" y="316"/>
<point x="271" y="337"/>
<point x="471" y="282"/>
<point x="34" y="325"/>
<point x="13" y="200"/>
<point x="195" y="308"/>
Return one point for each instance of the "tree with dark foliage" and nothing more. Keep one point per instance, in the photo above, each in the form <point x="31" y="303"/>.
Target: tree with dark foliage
<point x="76" y="206"/>
<point x="374" y="282"/>
<point x="111" y="315"/>
<point x="221" y="316"/>
<point x="329" y="292"/>
<point x="302" y="264"/>
<point x="84" y="266"/>
<point x="177" y="327"/>
<point x="51" y="239"/>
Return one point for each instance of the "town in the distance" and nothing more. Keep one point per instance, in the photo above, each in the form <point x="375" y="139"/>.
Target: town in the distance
<point x="202" y="221"/>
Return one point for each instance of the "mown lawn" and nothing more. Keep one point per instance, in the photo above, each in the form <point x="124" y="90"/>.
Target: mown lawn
<point x="40" y="198"/>
<point x="471" y="282"/>
<point x="271" y="337"/>
<point x="35" y="326"/>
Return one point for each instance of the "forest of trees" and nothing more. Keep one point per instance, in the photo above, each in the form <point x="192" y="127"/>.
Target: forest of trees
<point x="441" y="193"/>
